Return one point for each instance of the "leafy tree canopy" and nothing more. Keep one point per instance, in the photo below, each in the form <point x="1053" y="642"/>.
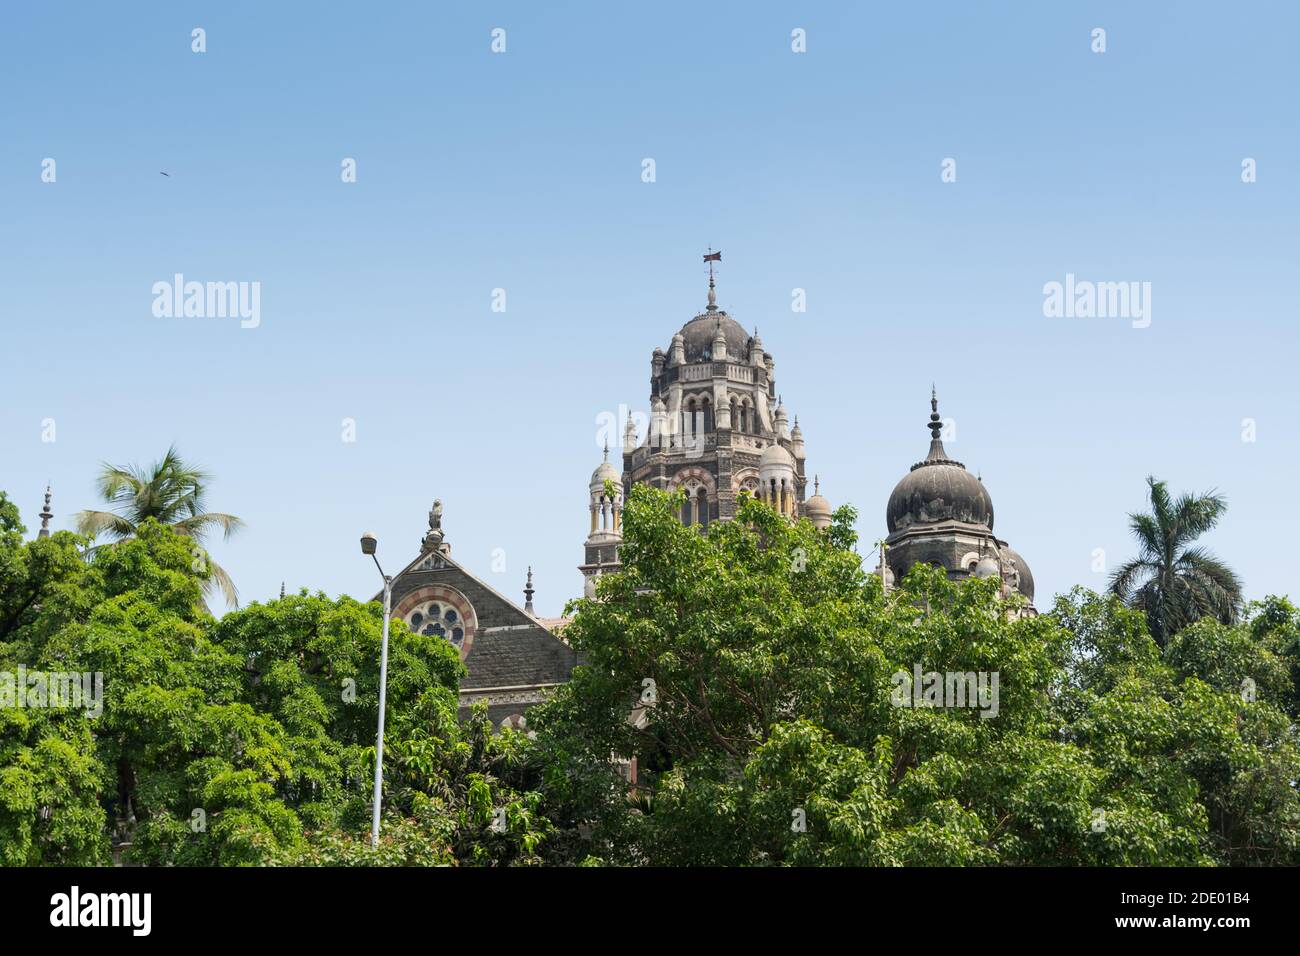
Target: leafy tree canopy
<point x="749" y="671"/>
<point x="241" y="741"/>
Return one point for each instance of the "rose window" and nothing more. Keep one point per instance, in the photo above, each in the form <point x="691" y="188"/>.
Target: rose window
<point x="438" y="618"/>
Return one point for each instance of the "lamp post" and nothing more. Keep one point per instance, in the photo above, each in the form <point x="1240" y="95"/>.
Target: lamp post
<point x="369" y="543"/>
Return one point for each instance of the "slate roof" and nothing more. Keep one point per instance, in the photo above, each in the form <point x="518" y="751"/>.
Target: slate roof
<point x="511" y="649"/>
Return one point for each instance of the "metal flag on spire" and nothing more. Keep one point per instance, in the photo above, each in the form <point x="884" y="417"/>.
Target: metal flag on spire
<point x="711" y="257"/>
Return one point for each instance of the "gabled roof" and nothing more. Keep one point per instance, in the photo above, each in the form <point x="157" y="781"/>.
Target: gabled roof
<point x="511" y="647"/>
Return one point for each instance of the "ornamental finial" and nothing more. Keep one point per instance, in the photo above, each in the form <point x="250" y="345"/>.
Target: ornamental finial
<point x="46" y="515"/>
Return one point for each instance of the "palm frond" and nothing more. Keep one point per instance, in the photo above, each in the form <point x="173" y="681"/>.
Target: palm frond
<point x="1160" y="505"/>
<point x="1197" y="514"/>
<point x="198" y="525"/>
<point x="1124" y="578"/>
<point x="1149" y="534"/>
<point x="218" y="578"/>
<point x="96" y="523"/>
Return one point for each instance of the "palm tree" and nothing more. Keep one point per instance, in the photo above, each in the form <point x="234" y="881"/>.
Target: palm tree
<point x="1172" y="582"/>
<point x="171" y="492"/>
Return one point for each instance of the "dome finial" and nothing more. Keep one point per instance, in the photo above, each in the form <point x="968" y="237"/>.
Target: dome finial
<point x="817" y="484"/>
<point x="935" y="425"/>
<point x="606" y="449"/>
<point x="528" y="592"/>
<point x="46" y="515"/>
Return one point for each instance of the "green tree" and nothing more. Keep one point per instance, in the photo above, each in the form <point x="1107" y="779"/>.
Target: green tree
<point x="170" y="491"/>
<point x="1171" y="581"/>
<point x="241" y="741"/>
<point x="748" y="672"/>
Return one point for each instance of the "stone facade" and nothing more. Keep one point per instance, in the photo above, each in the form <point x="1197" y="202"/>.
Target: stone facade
<point x="718" y="426"/>
<point x="513" y="659"/>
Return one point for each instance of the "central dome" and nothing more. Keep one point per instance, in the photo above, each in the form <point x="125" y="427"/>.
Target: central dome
<point x="698" y="333"/>
<point x="938" y="489"/>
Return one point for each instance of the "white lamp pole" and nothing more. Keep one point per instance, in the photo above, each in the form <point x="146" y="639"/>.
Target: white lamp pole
<point x="369" y="544"/>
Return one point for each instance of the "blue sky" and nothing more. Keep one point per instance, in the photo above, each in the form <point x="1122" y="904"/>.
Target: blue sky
<point x="522" y="171"/>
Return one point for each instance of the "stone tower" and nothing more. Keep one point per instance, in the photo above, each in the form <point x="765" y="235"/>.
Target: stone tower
<point x="717" y="427"/>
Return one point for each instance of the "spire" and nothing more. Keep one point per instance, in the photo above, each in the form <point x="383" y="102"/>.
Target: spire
<point x="817" y="484"/>
<point x="528" y="592"/>
<point x="281" y="590"/>
<point x="936" y="428"/>
<point x="711" y="257"/>
<point x="607" y="449"/>
<point x="46" y="515"/>
<point x="629" y="434"/>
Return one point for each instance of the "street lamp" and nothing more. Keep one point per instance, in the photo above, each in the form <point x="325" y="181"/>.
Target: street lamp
<point x="369" y="544"/>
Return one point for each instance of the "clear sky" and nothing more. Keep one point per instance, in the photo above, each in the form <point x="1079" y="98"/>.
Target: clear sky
<point x="523" y="171"/>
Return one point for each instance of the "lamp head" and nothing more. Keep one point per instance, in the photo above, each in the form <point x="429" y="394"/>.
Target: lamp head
<point x="369" y="543"/>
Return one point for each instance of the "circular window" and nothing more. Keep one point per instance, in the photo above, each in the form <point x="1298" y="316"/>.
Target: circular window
<point x="439" y="611"/>
<point x="436" y="619"/>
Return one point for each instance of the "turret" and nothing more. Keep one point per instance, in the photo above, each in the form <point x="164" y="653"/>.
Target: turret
<point x="719" y="345"/>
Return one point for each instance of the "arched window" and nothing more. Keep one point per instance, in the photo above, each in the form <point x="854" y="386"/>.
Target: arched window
<point x="707" y="415"/>
<point x="735" y="422"/>
<point x="695" y="505"/>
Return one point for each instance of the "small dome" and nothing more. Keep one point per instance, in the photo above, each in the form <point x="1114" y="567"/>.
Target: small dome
<point x="604" y="472"/>
<point x="1026" y="583"/>
<point x="775" y="459"/>
<point x="817" y="505"/>
<point x="988" y="567"/>
<point x="817" y="509"/>
<point x="698" y="334"/>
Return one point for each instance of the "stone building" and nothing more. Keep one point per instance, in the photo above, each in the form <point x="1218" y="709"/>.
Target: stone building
<point x="941" y="514"/>
<point x="718" y="426"/>
<point x="514" y="658"/>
